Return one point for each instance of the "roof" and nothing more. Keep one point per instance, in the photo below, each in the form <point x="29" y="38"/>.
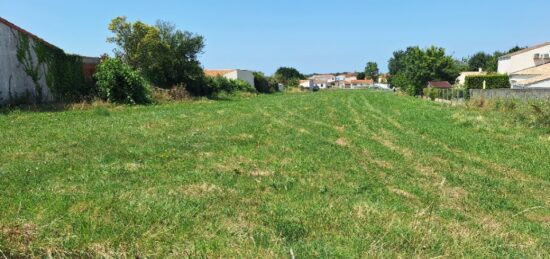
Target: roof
<point x="368" y="81"/>
<point x="473" y="73"/>
<point x="23" y="31"/>
<point x="534" y="80"/>
<point x="219" y="72"/>
<point x="538" y="70"/>
<point x="440" y="84"/>
<point x="525" y="50"/>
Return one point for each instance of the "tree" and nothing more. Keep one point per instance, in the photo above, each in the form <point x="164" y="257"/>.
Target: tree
<point x="288" y="76"/>
<point x="413" y="68"/>
<point x="264" y="84"/>
<point x="165" y="56"/>
<point x="480" y="60"/>
<point x="361" y="75"/>
<point x="372" y="71"/>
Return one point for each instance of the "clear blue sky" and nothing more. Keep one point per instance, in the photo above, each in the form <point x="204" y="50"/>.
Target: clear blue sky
<point x="311" y="35"/>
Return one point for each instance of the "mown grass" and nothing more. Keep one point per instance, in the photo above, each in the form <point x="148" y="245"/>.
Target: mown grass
<point x="330" y="174"/>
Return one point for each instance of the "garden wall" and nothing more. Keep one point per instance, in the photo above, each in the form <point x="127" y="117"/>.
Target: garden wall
<point x="508" y="93"/>
<point x="34" y="71"/>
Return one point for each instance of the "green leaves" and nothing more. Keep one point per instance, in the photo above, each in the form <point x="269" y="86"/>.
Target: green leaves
<point x="118" y="83"/>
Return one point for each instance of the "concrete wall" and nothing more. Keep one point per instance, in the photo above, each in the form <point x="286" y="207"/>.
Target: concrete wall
<point x="520" y="94"/>
<point x="14" y="81"/>
<point x="243" y="75"/>
<point x="522" y="61"/>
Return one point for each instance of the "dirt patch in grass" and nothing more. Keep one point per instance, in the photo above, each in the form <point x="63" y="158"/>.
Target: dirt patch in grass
<point x="343" y="142"/>
<point x="402" y="193"/>
<point x="197" y="190"/>
<point x="20" y="236"/>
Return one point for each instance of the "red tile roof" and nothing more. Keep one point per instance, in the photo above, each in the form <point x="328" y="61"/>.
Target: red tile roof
<point x="367" y="81"/>
<point x="220" y="72"/>
<point x="440" y="84"/>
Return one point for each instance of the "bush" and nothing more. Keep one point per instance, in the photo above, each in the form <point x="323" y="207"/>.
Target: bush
<point x="533" y="113"/>
<point x="493" y="81"/>
<point x="118" y="83"/>
<point x="264" y="84"/>
<point x="176" y="93"/>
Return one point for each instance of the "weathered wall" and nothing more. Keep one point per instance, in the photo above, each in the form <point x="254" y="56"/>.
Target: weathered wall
<point x="15" y="83"/>
<point x="520" y="94"/>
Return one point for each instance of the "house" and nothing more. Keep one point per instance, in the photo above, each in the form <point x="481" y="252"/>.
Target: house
<point x="524" y="59"/>
<point x="440" y="84"/>
<point x="329" y="78"/>
<point x="383" y="78"/>
<point x="461" y="80"/>
<point x="16" y="85"/>
<point x="527" y="68"/>
<point x="234" y="74"/>
<point x="361" y="83"/>
<point x="535" y="77"/>
<point x="310" y="83"/>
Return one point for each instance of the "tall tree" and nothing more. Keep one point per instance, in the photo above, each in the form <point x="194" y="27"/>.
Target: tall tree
<point x="372" y="71"/>
<point x="288" y="76"/>
<point x="361" y="75"/>
<point x="480" y="60"/>
<point x="413" y="68"/>
<point x="164" y="55"/>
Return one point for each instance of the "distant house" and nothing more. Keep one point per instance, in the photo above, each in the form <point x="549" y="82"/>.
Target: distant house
<point x="524" y="59"/>
<point x="329" y="78"/>
<point x="310" y="83"/>
<point x="527" y="68"/>
<point x="440" y="84"/>
<point x="361" y="83"/>
<point x="234" y="74"/>
<point x="383" y="78"/>
<point x="461" y="80"/>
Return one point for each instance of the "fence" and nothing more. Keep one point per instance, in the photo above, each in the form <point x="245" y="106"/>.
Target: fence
<point x="508" y="93"/>
<point x="446" y="95"/>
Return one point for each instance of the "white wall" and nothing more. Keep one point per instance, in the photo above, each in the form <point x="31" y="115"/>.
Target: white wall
<point x="522" y="61"/>
<point x="243" y="75"/>
<point x="543" y="84"/>
<point x="13" y="78"/>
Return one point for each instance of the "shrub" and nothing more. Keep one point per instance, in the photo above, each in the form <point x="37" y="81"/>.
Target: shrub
<point x="492" y="81"/>
<point x="118" y="83"/>
<point x="176" y="93"/>
<point x="220" y="84"/>
<point x="264" y="84"/>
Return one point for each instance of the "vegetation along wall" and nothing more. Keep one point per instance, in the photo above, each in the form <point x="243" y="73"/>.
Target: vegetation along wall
<point x="34" y="71"/>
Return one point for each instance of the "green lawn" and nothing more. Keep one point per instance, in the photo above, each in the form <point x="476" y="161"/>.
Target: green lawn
<point x="329" y="174"/>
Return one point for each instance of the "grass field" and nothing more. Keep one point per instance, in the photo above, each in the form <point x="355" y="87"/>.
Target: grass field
<point x="329" y="174"/>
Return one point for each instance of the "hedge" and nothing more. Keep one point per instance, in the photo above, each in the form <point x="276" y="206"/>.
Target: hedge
<point x="493" y="81"/>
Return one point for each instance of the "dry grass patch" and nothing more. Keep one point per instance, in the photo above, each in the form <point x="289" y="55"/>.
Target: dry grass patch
<point x="343" y="142"/>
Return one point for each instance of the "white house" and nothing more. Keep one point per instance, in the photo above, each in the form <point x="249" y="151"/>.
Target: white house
<point x="461" y="80"/>
<point x="535" y="77"/>
<point x="524" y="59"/>
<point x="310" y="83"/>
<point x="527" y="68"/>
<point x="235" y="74"/>
<point x="329" y="78"/>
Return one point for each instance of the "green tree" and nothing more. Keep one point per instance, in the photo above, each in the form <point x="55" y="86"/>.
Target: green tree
<point x="372" y="71"/>
<point x="288" y="76"/>
<point x="481" y="60"/>
<point x="412" y="68"/>
<point x="361" y="75"/>
<point x="264" y="84"/>
<point x="165" y="56"/>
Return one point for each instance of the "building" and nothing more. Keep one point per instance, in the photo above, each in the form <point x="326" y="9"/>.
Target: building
<point x="329" y="78"/>
<point x="527" y="68"/>
<point x="16" y="84"/>
<point x="440" y="84"/>
<point x="535" y="77"/>
<point x="361" y="83"/>
<point x="310" y="83"/>
<point x="234" y="74"/>
<point x="461" y="80"/>
<point x="524" y="59"/>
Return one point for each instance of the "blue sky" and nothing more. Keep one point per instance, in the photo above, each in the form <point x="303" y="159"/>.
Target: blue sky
<point x="311" y="35"/>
